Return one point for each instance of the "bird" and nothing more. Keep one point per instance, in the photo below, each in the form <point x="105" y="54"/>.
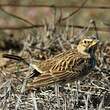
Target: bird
<point x="65" y="67"/>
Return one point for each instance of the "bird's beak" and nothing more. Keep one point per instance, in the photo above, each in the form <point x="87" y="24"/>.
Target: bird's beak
<point x="94" y="42"/>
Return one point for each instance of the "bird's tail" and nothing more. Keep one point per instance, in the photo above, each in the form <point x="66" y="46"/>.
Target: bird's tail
<point x="18" y="58"/>
<point x="15" y="57"/>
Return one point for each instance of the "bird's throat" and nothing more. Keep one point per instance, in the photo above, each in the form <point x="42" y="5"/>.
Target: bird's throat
<point x="83" y="51"/>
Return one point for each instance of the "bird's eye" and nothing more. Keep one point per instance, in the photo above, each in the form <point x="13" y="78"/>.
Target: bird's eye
<point x="85" y="42"/>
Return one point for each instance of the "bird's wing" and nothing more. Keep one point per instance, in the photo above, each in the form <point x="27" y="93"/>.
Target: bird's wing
<point x="59" y="62"/>
<point x="62" y="70"/>
<point x="41" y="80"/>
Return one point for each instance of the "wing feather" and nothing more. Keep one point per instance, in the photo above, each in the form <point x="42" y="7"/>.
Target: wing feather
<point x="65" y="70"/>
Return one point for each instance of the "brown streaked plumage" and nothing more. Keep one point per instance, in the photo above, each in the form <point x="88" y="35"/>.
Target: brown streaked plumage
<point x="65" y="67"/>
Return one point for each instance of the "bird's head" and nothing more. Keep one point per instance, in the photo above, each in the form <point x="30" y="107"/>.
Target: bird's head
<point x="87" y="46"/>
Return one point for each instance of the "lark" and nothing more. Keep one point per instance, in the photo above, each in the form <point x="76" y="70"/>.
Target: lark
<point x="65" y="67"/>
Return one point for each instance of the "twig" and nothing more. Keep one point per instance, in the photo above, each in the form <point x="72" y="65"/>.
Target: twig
<point x="40" y="25"/>
<point x="95" y="28"/>
<point x="10" y="14"/>
<point x="54" y="6"/>
<point x="20" y="96"/>
<point x="102" y="29"/>
<point x="74" y="12"/>
<point x="84" y="30"/>
<point x="101" y="103"/>
<point x="86" y="101"/>
<point x="34" y="100"/>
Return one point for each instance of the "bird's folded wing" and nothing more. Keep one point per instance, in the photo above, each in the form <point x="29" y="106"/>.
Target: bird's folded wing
<point x="48" y="79"/>
<point x="61" y="70"/>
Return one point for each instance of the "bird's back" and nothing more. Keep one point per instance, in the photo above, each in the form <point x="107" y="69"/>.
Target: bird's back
<point x="61" y="61"/>
<point x="67" y="66"/>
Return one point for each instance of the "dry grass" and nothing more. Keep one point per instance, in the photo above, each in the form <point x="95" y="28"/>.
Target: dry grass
<point x="91" y="93"/>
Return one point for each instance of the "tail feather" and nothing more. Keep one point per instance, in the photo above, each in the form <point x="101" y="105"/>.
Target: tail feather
<point x="14" y="57"/>
<point x="18" y="58"/>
